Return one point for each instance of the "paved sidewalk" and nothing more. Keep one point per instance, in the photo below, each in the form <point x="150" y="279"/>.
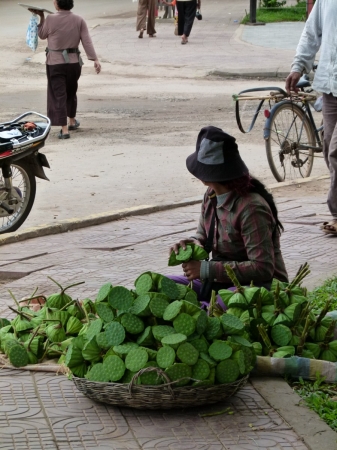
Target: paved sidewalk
<point x="44" y="411"/>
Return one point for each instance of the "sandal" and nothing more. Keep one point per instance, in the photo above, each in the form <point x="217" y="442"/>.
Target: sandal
<point x="184" y="41"/>
<point x="332" y="224"/>
<point x="152" y="35"/>
<point x="63" y="136"/>
<point x="141" y="34"/>
<point x="75" y="126"/>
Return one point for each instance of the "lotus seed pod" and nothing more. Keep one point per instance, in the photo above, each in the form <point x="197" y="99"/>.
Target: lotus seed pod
<point x="237" y="312"/>
<point x="80" y="371"/>
<point x="105" y="312"/>
<point x="146" y="338"/>
<point x="211" y="377"/>
<point x="332" y="347"/>
<point x="74" y="326"/>
<point x="120" y="298"/>
<point x="165" y="357"/>
<point x="61" y="316"/>
<point x="179" y="371"/>
<point x="152" y="353"/>
<point x="123" y="349"/>
<point x="210" y="361"/>
<point x="79" y="342"/>
<point x="103" y="292"/>
<point x="289" y="349"/>
<point x="144" y="283"/>
<point x="300" y="299"/>
<point x="91" y="351"/>
<point x="191" y="296"/>
<point x="56" y="333"/>
<point x="158" y="306"/>
<point x="245" y="318"/>
<point x="132" y="323"/>
<point x="173" y="310"/>
<point x="295" y="340"/>
<point x="251" y="295"/>
<point x="200" y="344"/>
<point x="284" y="299"/>
<point x="281" y="335"/>
<point x="102" y="341"/>
<point x="18" y="356"/>
<point x="184" y="255"/>
<point x="187" y="354"/>
<point x="97" y="373"/>
<point x="238" y="301"/>
<point x="214" y="329"/>
<point x="115" y="333"/>
<point x="231" y="324"/>
<point x="199" y="253"/>
<point x="58" y="301"/>
<point x="34" y="346"/>
<point x="201" y="370"/>
<point x="226" y="295"/>
<point x="275" y="283"/>
<point x="293" y="311"/>
<point x="8" y="343"/>
<point x="168" y="287"/>
<point x="241" y="340"/>
<point x="128" y="375"/>
<point x="307" y="354"/>
<point x="227" y="371"/>
<point x="239" y="358"/>
<point x="75" y="311"/>
<point x="110" y="352"/>
<point x="257" y="348"/>
<point x="326" y="355"/>
<point x="93" y="329"/>
<point x="141" y="306"/>
<point x="184" y="324"/>
<point x="190" y="308"/>
<point x="320" y="333"/>
<point x="219" y="351"/>
<point x="73" y="357"/>
<point x="281" y="354"/>
<point x="174" y="340"/>
<point x="249" y="359"/>
<point x="89" y="306"/>
<point x="136" y="359"/>
<point x="266" y="297"/>
<point x="269" y="318"/>
<point x="182" y="291"/>
<point x="21" y="324"/>
<point x="282" y="319"/>
<point x="115" y="367"/>
<point x="32" y="359"/>
<point x="4" y="322"/>
<point x="160" y="331"/>
<point x="326" y="321"/>
<point x="151" y="378"/>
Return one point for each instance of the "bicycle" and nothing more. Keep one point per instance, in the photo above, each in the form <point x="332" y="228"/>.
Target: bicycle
<point x="291" y="136"/>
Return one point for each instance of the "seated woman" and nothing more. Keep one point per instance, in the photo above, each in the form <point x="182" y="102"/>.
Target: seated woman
<point x="238" y="223"/>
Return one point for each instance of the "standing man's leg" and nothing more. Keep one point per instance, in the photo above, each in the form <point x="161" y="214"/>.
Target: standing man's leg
<point x="57" y="97"/>
<point x="151" y="19"/>
<point x="330" y="153"/>
<point x="141" y="17"/>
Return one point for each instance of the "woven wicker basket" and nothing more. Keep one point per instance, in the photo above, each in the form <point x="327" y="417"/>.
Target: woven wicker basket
<point x="156" y="397"/>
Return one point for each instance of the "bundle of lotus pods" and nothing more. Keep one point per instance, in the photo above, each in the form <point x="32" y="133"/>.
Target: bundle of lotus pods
<point x="281" y="322"/>
<point x="157" y="324"/>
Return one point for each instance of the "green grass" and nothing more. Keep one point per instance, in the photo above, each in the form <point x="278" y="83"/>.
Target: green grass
<point x="320" y="397"/>
<point x="321" y="294"/>
<point x="295" y="13"/>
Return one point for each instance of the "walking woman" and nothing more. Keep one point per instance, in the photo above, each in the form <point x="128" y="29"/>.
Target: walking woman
<point x="186" y="15"/>
<point x="146" y="7"/>
<point x="64" y="31"/>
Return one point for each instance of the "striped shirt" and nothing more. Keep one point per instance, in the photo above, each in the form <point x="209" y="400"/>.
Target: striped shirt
<point x="243" y="238"/>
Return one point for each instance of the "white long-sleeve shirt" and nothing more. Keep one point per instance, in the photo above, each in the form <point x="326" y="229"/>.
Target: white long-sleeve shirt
<point x="320" y="33"/>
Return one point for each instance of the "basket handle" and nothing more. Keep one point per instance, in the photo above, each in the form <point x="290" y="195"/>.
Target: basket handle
<point x="152" y="369"/>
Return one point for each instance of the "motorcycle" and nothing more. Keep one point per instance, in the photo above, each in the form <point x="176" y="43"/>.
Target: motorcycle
<point x="20" y="163"/>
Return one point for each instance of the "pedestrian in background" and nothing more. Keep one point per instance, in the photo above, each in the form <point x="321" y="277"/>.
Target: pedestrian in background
<point x="64" y="31"/>
<point x="186" y="15"/>
<point x="146" y="7"/>
<point x="320" y="33"/>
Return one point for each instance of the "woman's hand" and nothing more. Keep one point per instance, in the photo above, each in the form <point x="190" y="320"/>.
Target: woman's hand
<point x="37" y="12"/>
<point x="192" y="270"/>
<point x="182" y="243"/>
<point x="97" y="66"/>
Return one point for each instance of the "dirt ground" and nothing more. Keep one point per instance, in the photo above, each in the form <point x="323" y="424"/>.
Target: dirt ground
<point x="136" y="132"/>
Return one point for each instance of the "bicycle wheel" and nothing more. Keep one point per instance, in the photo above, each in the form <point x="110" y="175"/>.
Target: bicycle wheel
<point x="287" y="147"/>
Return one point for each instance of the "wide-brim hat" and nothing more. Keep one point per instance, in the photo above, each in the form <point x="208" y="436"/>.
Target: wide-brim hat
<point x="217" y="158"/>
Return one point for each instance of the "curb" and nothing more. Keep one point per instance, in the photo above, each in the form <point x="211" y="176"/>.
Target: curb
<point x="314" y="432"/>
<point x="101" y="218"/>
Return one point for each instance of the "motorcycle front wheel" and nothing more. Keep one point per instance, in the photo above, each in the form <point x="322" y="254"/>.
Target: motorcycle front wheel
<point x="24" y="184"/>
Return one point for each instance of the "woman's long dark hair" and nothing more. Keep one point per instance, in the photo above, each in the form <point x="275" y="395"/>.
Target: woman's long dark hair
<point x="246" y="184"/>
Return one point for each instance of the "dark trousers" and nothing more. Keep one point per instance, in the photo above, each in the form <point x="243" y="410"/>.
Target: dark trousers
<point x="186" y="16"/>
<point x="330" y="147"/>
<point x="61" y="92"/>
